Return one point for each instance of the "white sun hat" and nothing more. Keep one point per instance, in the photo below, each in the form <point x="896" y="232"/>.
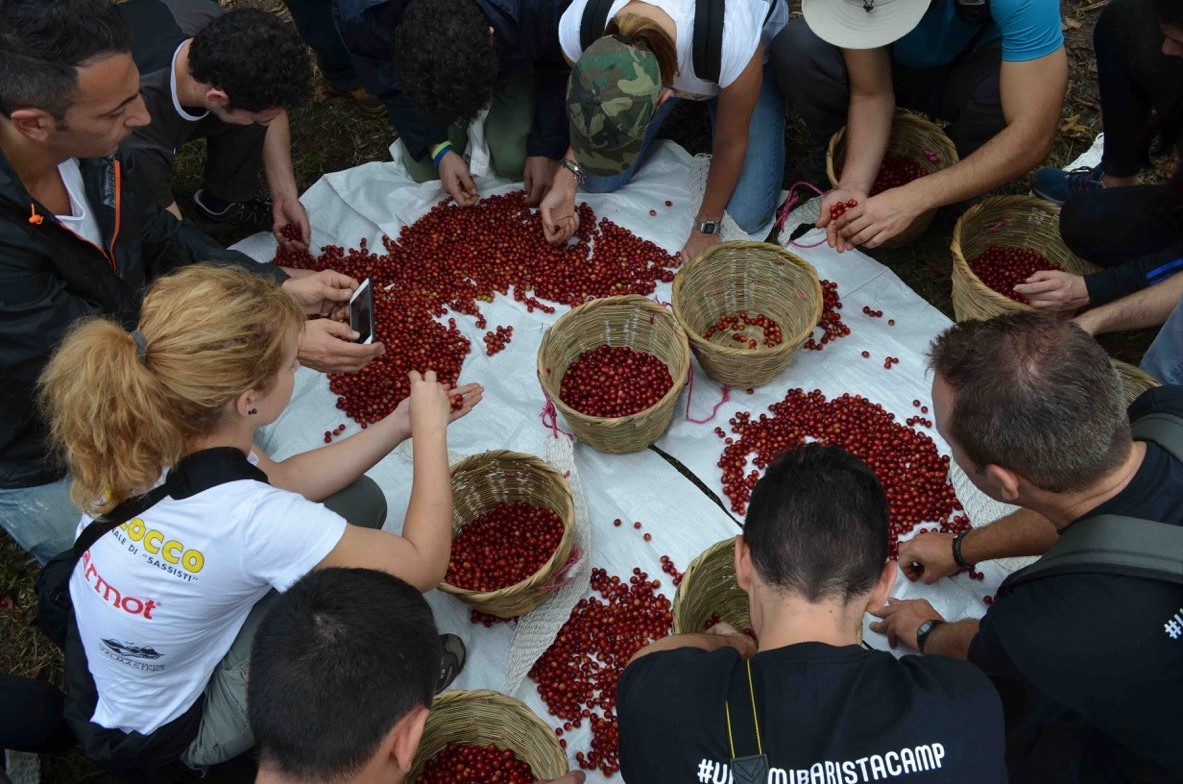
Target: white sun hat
<point x="862" y="24"/>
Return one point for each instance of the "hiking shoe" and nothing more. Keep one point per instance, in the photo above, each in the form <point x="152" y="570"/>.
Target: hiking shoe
<point x="253" y="214"/>
<point x="1057" y="185"/>
<point x="451" y="665"/>
<point x="365" y="100"/>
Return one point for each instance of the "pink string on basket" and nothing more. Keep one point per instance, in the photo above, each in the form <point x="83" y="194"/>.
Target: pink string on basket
<point x="549" y="417"/>
<point x="714" y="411"/>
<point x="782" y="214"/>
<point x="993" y="227"/>
<point x="574" y="559"/>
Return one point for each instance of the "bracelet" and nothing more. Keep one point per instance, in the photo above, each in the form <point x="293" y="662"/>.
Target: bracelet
<point x="438" y="152"/>
<point x="957" y="556"/>
<point x="575" y="169"/>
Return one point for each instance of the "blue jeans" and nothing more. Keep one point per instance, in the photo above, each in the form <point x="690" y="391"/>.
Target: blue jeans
<point x="41" y="519"/>
<point x="1164" y="358"/>
<point x="758" y="188"/>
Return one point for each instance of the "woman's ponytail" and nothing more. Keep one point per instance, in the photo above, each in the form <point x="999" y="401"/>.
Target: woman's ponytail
<point x="648" y="34"/>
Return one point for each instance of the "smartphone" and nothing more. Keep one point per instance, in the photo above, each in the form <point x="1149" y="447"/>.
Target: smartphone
<point x="361" y="312"/>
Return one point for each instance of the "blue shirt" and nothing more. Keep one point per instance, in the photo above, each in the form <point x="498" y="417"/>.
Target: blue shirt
<point x="1029" y="29"/>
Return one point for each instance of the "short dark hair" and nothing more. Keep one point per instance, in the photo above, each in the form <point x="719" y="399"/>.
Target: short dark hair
<point x="445" y="60"/>
<point x="817" y="524"/>
<point x="43" y="43"/>
<point x="256" y="58"/>
<point x="340" y="659"/>
<point x="1036" y="395"/>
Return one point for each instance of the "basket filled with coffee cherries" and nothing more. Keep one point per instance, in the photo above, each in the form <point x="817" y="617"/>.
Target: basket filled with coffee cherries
<point x="614" y="367"/>
<point x="747" y="308"/>
<point x="998" y="244"/>
<point x="512" y="523"/>
<point x="916" y="148"/>
<point x="475" y="737"/>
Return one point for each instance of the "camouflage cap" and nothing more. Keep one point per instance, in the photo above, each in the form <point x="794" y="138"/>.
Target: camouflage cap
<point x="611" y="98"/>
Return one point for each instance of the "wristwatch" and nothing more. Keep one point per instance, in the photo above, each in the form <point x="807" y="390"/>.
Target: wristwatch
<point x="575" y="169"/>
<point x="958" y="558"/>
<point x="924" y="630"/>
<point x="707" y="226"/>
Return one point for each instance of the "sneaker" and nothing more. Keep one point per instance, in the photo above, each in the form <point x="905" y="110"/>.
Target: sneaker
<point x="451" y="665"/>
<point x="1057" y="185"/>
<point x="253" y="214"/>
<point x="365" y="100"/>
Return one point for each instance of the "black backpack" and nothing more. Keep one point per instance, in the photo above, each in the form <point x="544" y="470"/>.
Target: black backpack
<point x="708" y="32"/>
<point x="1115" y="544"/>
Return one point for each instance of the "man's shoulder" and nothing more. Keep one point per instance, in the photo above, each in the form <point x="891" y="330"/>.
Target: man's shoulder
<point x="1167" y="399"/>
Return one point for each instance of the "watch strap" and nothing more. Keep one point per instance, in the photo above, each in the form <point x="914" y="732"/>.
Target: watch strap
<point x="957" y="556"/>
<point x="925" y="630"/>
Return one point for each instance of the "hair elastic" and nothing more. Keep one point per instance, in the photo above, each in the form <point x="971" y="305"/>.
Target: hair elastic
<point x="141" y="345"/>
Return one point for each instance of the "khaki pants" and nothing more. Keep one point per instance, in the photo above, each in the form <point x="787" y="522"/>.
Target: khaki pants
<point x="511" y="116"/>
<point x="225" y="730"/>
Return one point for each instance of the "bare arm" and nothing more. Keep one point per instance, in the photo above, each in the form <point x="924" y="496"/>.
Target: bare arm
<point x="901" y="619"/>
<point x="420" y="554"/>
<point x="929" y="557"/>
<point x="737" y="101"/>
<point x="722" y="636"/>
<point x="952" y="639"/>
<point x="1149" y="307"/>
<point x="1032" y="95"/>
<point x="868" y="128"/>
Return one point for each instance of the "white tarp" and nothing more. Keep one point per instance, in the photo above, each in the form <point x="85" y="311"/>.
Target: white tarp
<point x="377" y="198"/>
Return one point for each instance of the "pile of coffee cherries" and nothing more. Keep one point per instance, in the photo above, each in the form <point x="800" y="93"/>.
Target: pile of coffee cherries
<point x="503" y="546"/>
<point x="896" y="170"/>
<point x="771" y="331"/>
<point x="831" y="320"/>
<point x="614" y="382"/>
<point x="496" y="341"/>
<point x="914" y="475"/>
<point x="578" y="674"/>
<point x="1004" y="268"/>
<point x="458" y="763"/>
<point x="454" y="258"/>
<point x="715" y="618"/>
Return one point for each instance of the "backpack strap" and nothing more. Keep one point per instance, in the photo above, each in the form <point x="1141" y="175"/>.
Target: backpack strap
<point x="1162" y="428"/>
<point x="595" y="19"/>
<point x="708" y="39"/>
<point x="1112" y="544"/>
<point x="115" y="518"/>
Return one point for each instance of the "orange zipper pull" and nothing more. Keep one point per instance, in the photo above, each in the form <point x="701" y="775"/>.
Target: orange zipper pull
<point x="34" y="218"/>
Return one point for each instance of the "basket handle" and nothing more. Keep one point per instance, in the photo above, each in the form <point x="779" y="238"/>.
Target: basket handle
<point x="574" y="559"/>
<point x="714" y="411"/>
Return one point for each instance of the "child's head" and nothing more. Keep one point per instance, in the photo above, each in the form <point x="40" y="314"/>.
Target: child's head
<point x="214" y="343"/>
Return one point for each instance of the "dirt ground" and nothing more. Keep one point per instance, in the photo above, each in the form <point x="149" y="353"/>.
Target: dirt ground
<point x="331" y="134"/>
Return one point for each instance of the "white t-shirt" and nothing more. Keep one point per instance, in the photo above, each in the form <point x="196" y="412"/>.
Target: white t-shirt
<point x="160" y="599"/>
<point x="81" y="219"/>
<point x="744" y="28"/>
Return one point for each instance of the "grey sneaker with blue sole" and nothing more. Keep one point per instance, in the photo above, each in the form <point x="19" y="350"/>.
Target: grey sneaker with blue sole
<point x="1058" y="185"/>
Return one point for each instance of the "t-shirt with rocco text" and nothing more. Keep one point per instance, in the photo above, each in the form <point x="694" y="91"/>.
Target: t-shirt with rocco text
<point x="160" y="599"/>
<point x="827" y="715"/>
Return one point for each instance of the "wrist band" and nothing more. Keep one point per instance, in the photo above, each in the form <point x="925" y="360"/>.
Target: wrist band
<point x="438" y="152"/>
<point x="957" y="556"/>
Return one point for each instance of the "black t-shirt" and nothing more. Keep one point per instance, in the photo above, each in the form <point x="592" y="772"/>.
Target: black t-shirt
<point x="1091" y="665"/>
<point x="827" y="714"/>
<point x="159" y="26"/>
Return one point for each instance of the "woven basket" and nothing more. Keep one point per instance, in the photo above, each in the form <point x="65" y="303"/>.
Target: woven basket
<point x="633" y="321"/>
<point x="481" y="482"/>
<point x="911" y="136"/>
<point x="481" y="717"/>
<point x="756" y="277"/>
<point x="709" y="587"/>
<point x="1009" y="222"/>
<point x="1134" y="380"/>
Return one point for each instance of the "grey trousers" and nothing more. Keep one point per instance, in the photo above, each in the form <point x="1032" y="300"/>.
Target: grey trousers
<point x="812" y="75"/>
<point x="225" y="730"/>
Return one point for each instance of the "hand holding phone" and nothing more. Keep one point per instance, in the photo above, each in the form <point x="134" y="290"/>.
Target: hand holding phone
<point x="361" y="312"/>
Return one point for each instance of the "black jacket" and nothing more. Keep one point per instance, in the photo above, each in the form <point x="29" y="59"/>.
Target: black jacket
<point x="49" y="277"/>
<point x="527" y="32"/>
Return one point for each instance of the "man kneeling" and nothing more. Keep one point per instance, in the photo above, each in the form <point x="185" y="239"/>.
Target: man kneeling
<point x="807" y="698"/>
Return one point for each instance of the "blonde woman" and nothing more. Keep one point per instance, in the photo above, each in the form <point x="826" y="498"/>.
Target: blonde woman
<point x="633" y="61"/>
<point x="166" y="604"/>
